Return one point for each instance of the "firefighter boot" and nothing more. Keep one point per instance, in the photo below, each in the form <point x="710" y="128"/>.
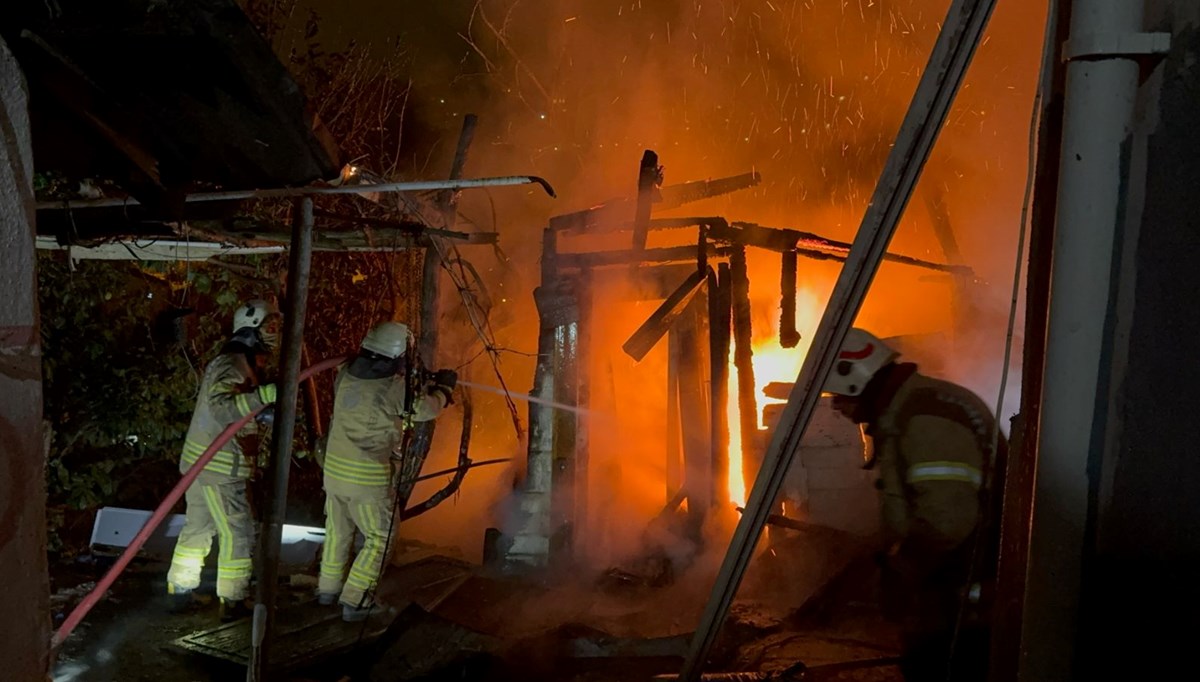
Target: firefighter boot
<point x="356" y="614"/>
<point x="233" y="609"/>
<point x="181" y="600"/>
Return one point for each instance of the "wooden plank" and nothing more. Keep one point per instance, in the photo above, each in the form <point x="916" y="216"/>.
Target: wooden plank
<point x="304" y="634"/>
<point x="789" y="336"/>
<point x="662" y="319"/>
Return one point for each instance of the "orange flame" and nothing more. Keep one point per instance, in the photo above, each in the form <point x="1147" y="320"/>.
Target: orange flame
<point x="771" y="363"/>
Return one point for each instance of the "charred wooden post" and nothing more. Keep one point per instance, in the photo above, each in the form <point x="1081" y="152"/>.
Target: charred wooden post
<point x="583" y="399"/>
<point x="719" y="304"/>
<point x="789" y="336"/>
<point x="563" y="480"/>
<point x="693" y="411"/>
<point x="649" y="176"/>
<point x="743" y="359"/>
<point x="674" y="465"/>
<point x="557" y="309"/>
<point x="431" y="293"/>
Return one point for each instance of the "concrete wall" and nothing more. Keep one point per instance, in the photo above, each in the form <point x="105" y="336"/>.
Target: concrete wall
<point x="24" y="585"/>
<point x="1141" y="598"/>
<point x="827" y="485"/>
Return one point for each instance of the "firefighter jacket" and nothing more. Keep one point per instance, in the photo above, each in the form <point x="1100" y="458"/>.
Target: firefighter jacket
<point x="368" y="417"/>
<point x="227" y="393"/>
<point x="933" y="441"/>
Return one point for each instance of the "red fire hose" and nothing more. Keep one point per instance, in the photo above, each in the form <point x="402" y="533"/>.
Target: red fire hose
<point x="161" y="512"/>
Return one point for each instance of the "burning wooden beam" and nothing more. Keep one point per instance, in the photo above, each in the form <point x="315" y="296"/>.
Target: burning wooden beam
<point x="674" y="465"/>
<point x="613" y="215"/>
<point x="789" y="336"/>
<point x="719" y="311"/>
<point x="809" y="244"/>
<point x="662" y="319"/>
<point x="649" y="177"/>
<point x="694" y="412"/>
<point x="743" y="359"/>
<point x="599" y="259"/>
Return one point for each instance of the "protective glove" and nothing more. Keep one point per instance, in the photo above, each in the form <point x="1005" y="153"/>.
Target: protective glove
<point x="266" y="393"/>
<point x="443" y="381"/>
<point x="438" y="389"/>
<point x="267" y="416"/>
<point x="446" y="377"/>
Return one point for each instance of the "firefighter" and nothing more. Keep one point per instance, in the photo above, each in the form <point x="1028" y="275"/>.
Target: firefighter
<point x="217" y="501"/>
<point x="931" y="442"/>
<point x="365" y="431"/>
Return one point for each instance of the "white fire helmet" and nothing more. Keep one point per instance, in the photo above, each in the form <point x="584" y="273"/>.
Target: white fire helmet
<point x="261" y="315"/>
<point x="861" y="357"/>
<point x="389" y="339"/>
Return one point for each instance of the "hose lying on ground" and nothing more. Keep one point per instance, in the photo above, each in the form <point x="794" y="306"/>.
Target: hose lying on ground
<point x="81" y="610"/>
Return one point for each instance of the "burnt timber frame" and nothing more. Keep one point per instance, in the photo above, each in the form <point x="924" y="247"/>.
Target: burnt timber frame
<point x="700" y="285"/>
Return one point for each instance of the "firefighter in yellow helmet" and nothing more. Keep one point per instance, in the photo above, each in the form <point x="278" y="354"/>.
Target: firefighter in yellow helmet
<point x="368" y="418"/>
<point x="217" y="501"/>
<point x="932" y="443"/>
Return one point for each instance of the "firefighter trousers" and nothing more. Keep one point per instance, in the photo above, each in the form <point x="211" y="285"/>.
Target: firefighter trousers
<point x="370" y="512"/>
<point x="216" y="504"/>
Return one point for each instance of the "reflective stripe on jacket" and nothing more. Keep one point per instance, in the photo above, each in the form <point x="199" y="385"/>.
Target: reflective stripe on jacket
<point x="227" y="393"/>
<point x="366" y="426"/>
<point x="932" y="441"/>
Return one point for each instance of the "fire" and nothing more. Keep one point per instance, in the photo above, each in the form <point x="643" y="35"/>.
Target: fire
<point x="771" y="363"/>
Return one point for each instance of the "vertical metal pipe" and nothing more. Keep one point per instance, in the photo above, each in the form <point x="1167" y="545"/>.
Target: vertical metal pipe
<point x="299" y="265"/>
<point x="1098" y="116"/>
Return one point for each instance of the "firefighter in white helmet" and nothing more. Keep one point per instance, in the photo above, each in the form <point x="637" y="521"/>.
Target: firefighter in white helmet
<point x="217" y="501"/>
<point x="932" y="444"/>
<point x="365" y="431"/>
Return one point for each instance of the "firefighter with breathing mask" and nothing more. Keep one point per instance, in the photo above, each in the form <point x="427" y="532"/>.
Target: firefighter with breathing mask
<point x="369" y="417"/>
<point x="932" y="443"/>
<point x="217" y="502"/>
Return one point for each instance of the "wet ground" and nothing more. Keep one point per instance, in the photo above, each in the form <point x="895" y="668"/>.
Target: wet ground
<point x="128" y="636"/>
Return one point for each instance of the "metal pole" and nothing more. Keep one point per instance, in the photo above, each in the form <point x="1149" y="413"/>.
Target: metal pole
<point x="1101" y="89"/>
<point x="299" y="265"/>
<point x="960" y="35"/>
<point x="238" y="195"/>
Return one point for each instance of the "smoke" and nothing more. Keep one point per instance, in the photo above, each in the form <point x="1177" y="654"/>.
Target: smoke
<point x="810" y="94"/>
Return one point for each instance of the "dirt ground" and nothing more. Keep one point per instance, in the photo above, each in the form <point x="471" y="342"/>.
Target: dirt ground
<point x="128" y="636"/>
